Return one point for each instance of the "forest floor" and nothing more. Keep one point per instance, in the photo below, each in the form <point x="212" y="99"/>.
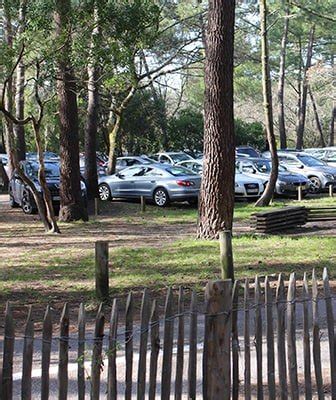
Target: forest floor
<point x="155" y="249"/>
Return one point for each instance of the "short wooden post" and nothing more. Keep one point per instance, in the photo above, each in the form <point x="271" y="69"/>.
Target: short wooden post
<point x="102" y="276"/>
<point x="331" y="190"/>
<point x="226" y="256"/>
<point x="216" y="356"/>
<point x="96" y="207"/>
<point x="143" y="203"/>
<point x="299" y="193"/>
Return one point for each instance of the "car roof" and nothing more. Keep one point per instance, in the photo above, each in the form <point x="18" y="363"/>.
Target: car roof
<point x="253" y="159"/>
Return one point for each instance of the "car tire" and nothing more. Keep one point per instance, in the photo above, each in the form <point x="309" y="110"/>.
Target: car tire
<point x="316" y="185"/>
<point x="27" y="204"/>
<point x="12" y="202"/>
<point x="161" y="197"/>
<point x="104" y="192"/>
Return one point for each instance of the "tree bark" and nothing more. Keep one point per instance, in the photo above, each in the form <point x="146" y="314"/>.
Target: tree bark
<point x="91" y="177"/>
<point x="303" y="105"/>
<point x="19" y="130"/>
<point x="317" y="118"/>
<point x="114" y="128"/>
<point x="72" y="205"/>
<point x="8" y="100"/>
<point x="332" y="126"/>
<point x="217" y="189"/>
<point x="281" y="84"/>
<point x="268" y="108"/>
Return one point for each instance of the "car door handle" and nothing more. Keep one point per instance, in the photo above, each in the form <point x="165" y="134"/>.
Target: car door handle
<point x="152" y="181"/>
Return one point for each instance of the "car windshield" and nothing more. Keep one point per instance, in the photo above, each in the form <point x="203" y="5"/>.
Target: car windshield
<point x="180" y="171"/>
<point x="310" y="161"/>
<point x="51" y="170"/>
<point x="248" y="151"/>
<point x="177" y="157"/>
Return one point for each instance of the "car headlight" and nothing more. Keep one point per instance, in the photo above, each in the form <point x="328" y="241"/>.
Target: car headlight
<point x="282" y="183"/>
<point x="328" y="176"/>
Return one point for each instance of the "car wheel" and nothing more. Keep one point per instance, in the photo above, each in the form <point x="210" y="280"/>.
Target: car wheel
<point x="104" y="192"/>
<point x="161" y="197"/>
<point x="315" y="186"/>
<point x="12" y="202"/>
<point x="27" y="204"/>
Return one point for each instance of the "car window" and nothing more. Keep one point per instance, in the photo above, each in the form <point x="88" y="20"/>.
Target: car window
<point x="248" y="168"/>
<point x="132" y="161"/>
<point x="310" y="161"/>
<point x="121" y="163"/>
<point x="180" y="171"/>
<point x="177" y="157"/>
<point x="131" y="171"/>
<point x="153" y="172"/>
<point x="331" y="155"/>
<point x="290" y="161"/>
<point x="165" y="159"/>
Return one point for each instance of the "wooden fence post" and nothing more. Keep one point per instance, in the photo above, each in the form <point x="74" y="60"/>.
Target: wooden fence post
<point x="299" y="193"/>
<point x="331" y="190"/>
<point x="226" y="257"/>
<point x="143" y="203"/>
<point x="102" y="275"/>
<point x="216" y="356"/>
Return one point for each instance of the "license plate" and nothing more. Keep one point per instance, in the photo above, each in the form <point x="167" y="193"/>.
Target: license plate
<point x="252" y="190"/>
<point x="56" y="198"/>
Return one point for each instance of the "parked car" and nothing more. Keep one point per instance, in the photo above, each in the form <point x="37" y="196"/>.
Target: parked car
<point x="101" y="164"/>
<point x="320" y="174"/>
<point x="129" y="161"/>
<point x="171" y="157"/>
<point x="326" y="154"/>
<point x="287" y="183"/>
<point x="245" y="186"/>
<point x="248" y="151"/>
<point x="161" y="183"/>
<point x="20" y="194"/>
<point x="47" y="155"/>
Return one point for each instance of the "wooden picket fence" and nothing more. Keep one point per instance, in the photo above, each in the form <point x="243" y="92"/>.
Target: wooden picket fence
<point x="258" y="338"/>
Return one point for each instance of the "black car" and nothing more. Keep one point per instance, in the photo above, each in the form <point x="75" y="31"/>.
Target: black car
<point x="20" y="194"/>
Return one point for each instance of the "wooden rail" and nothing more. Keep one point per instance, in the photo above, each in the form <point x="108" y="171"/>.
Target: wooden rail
<point x="315" y="214"/>
<point x="219" y="347"/>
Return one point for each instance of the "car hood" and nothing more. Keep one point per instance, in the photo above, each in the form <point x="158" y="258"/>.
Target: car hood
<point x="242" y="178"/>
<point x="291" y="177"/>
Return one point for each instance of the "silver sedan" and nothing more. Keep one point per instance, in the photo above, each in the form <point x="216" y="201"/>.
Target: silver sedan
<point x="158" y="182"/>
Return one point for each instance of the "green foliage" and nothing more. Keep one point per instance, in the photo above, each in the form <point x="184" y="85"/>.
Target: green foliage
<point x="250" y="134"/>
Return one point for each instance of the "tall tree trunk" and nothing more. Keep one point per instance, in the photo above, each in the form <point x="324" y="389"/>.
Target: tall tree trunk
<point x="303" y="105"/>
<point x="281" y="84"/>
<point x="92" y="118"/>
<point x="19" y="130"/>
<point x="114" y="128"/>
<point x="268" y="107"/>
<point x="317" y="118"/>
<point x="217" y="189"/>
<point x="72" y="205"/>
<point x="8" y="125"/>
<point x="331" y="141"/>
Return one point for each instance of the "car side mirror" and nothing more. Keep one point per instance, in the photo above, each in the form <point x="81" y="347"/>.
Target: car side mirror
<point x="120" y="176"/>
<point x="301" y="166"/>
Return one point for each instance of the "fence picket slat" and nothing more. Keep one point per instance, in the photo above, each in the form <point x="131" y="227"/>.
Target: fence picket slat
<point x="331" y="334"/>
<point x="129" y="346"/>
<point x="112" y="354"/>
<point x="28" y="347"/>
<point x="281" y="342"/>
<point x="216" y="355"/>
<point x="316" y="339"/>
<point x="180" y="346"/>
<point x="63" y="354"/>
<point x="247" y="346"/>
<point x="46" y="349"/>
<point x="8" y="351"/>
<point x="258" y="339"/>
<point x="306" y="339"/>
<point x="96" y="362"/>
<point x="81" y="353"/>
<point x="235" y="342"/>
<point x="167" y="347"/>
<point x="291" y="338"/>
<point x="270" y="339"/>
<point x="192" y="364"/>
<point x="145" y="315"/>
<point x="155" y="348"/>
